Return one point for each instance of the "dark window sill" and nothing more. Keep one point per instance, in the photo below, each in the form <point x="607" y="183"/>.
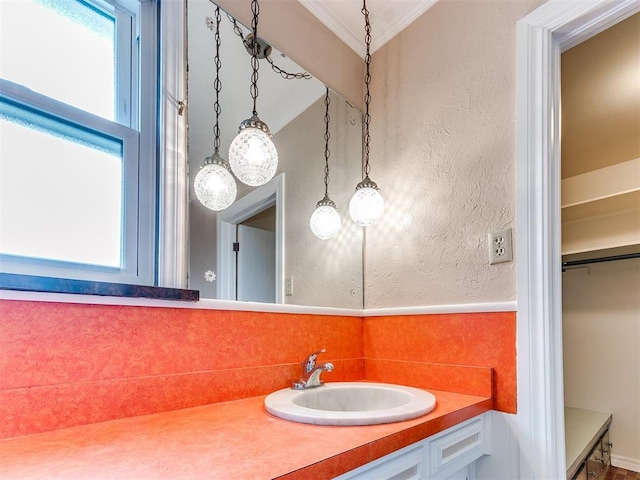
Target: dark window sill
<point x="31" y="283"/>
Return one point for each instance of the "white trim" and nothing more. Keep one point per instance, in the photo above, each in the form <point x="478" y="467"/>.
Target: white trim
<point x="147" y="102"/>
<point x="232" y="305"/>
<point x="269" y="194"/>
<point x="337" y="26"/>
<point x="541" y="36"/>
<point x="627" y="463"/>
<point x="137" y="266"/>
<point x="205" y="304"/>
<point x="435" y="309"/>
<point x="173" y="258"/>
<point x="382" y="32"/>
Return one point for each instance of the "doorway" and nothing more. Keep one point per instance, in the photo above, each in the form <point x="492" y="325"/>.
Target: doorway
<point x="542" y="35"/>
<point x="238" y="277"/>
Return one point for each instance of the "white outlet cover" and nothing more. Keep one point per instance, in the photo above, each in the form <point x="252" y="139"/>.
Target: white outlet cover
<point x="500" y="247"/>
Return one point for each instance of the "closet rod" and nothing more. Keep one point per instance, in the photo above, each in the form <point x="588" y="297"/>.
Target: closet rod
<point x="575" y="263"/>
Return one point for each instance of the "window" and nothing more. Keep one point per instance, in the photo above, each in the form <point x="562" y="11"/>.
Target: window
<point x="78" y="128"/>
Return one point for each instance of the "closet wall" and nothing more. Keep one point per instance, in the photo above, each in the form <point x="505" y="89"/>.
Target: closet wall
<point x="601" y="217"/>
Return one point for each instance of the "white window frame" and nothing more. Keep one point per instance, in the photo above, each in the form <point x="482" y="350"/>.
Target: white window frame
<point x="138" y="133"/>
<point x="173" y="258"/>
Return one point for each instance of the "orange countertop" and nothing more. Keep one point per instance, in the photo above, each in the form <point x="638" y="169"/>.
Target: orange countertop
<point x="228" y="440"/>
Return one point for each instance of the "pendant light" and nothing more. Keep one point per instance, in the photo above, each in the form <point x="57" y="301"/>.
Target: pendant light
<point x="325" y="221"/>
<point x="214" y="185"/>
<point x="366" y="205"/>
<point x="252" y="154"/>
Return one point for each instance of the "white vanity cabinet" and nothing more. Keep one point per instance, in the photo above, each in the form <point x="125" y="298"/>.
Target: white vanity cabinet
<point x="448" y="455"/>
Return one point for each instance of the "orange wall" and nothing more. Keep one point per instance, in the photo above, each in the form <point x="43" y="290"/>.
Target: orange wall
<point x="436" y="351"/>
<point x="71" y="364"/>
<point x="63" y="365"/>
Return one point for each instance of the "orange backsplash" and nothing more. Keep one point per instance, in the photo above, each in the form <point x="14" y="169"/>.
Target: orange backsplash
<point x="64" y="364"/>
<point x="411" y="344"/>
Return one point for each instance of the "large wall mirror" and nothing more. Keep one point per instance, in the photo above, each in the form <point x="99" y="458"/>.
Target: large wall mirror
<point x="272" y="221"/>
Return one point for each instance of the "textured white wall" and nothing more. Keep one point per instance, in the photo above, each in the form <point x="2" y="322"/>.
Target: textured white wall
<point x="443" y="155"/>
<point x="325" y="272"/>
<point x="601" y="334"/>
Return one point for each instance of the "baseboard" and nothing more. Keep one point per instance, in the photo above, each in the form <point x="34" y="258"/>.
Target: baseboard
<point x="627" y="463"/>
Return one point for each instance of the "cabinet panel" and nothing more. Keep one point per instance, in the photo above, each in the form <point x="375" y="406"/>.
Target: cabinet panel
<point x="447" y="455"/>
<point x="462" y="474"/>
<point x="405" y="464"/>
<point x="460" y="445"/>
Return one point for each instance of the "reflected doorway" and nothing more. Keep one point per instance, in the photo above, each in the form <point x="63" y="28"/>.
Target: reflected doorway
<point x="250" y="246"/>
<point x="255" y="250"/>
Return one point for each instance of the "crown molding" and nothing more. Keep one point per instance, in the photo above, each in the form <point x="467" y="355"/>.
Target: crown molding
<point x="385" y="26"/>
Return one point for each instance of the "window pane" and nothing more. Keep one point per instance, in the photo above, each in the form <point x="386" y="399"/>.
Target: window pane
<point x="61" y="190"/>
<point x="64" y="49"/>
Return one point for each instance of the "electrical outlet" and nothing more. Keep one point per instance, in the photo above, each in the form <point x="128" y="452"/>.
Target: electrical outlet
<point x="288" y="286"/>
<point x="500" y="249"/>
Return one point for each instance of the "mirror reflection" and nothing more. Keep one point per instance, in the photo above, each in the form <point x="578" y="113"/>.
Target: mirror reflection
<point x="261" y="248"/>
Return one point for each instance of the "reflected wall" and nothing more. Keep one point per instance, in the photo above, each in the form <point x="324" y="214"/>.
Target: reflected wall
<point x="324" y="272"/>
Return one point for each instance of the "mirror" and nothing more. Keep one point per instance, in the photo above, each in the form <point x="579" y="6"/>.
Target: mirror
<point x="308" y="271"/>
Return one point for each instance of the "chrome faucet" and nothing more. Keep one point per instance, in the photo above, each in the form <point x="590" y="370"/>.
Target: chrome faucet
<point x="311" y="372"/>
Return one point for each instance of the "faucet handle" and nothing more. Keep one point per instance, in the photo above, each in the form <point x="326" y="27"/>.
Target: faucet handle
<point x="310" y="363"/>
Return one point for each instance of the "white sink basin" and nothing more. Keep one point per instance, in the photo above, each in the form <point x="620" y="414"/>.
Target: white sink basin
<point x="350" y="403"/>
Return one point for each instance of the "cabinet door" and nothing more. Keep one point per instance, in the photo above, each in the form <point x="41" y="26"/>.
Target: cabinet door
<point x="456" y="446"/>
<point x="405" y="464"/>
<point x="462" y="474"/>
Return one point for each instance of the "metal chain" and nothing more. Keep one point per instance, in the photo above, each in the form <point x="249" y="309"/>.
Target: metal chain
<point x="255" y="10"/>
<point x="367" y="81"/>
<point x="236" y="28"/>
<point x="286" y="75"/>
<point x="217" y="84"/>
<point x="283" y="73"/>
<point x="327" y="136"/>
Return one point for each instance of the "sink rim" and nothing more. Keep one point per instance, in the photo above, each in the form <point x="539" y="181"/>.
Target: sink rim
<point x="280" y="404"/>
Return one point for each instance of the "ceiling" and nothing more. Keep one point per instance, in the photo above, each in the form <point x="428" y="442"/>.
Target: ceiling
<point x="601" y="99"/>
<point x="343" y="17"/>
<point x="387" y="18"/>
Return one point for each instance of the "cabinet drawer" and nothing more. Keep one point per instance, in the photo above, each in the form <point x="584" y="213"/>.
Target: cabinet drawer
<point x="606" y="448"/>
<point x="582" y="473"/>
<point x="458" y="446"/>
<point x="595" y="463"/>
<point x="405" y="464"/>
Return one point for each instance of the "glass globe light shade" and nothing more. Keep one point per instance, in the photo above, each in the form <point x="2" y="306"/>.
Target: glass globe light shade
<point x="367" y="205"/>
<point x="214" y="185"/>
<point x="252" y="154"/>
<point x="325" y="221"/>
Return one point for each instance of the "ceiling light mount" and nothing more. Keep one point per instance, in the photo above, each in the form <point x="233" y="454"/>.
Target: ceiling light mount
<point x="264" y="49"/>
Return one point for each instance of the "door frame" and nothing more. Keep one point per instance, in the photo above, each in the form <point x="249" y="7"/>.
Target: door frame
<point x="541" y="37"/>
<point x="256" y="201"/>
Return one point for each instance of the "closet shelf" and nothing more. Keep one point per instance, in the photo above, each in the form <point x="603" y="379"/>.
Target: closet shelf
<point x="601" y="209"/>
<point x="602" y="183"/>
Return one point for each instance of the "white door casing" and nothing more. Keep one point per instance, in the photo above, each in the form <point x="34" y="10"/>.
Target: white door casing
<point x="272" y="193"/>
<point x="541" y="37"/>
